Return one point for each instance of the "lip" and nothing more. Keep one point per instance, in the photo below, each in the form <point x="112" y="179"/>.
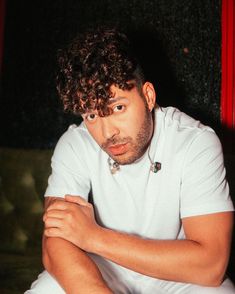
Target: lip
<point x="118" y="149"/>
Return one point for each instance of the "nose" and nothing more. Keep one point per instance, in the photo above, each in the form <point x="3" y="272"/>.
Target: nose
<point x="109" y="129"/>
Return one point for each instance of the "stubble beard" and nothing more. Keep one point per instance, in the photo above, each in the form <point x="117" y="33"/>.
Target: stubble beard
<point x="138" y="146"/>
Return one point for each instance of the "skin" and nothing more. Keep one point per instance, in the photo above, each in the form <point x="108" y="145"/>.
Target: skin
<point x="126" y="133"/>
<point x="70" y="225"/>
<point x="106" y="131"/>
<point x="81" y="272"/>
<point x="200" y="259"/>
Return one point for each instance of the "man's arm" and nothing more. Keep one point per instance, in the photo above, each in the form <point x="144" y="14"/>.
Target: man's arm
<point x="71" y="266"/>
<point x="200" y="259"/>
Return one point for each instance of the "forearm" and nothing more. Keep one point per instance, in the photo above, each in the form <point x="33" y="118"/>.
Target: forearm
<point x="72" y="268"/>
<point x="201" y="258"/>
<point x="177" y="260"/>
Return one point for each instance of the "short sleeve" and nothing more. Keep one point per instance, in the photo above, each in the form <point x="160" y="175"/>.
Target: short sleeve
<point x="69" y="171"/>
<point x="204" y="188"/>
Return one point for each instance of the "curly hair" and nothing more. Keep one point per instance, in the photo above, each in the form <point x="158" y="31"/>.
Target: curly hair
<point x="92" y="63"/>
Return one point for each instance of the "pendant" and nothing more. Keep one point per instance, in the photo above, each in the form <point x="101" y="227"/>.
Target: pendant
<point x="155" y="167"/>
<point x="115" y="167"/>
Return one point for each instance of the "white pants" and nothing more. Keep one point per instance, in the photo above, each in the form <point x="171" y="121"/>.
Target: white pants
<point x="46" y="284"/>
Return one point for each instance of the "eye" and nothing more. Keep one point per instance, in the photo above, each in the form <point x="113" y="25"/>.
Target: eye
<point x="119" y="108"/>
<point x="91" y="117"/>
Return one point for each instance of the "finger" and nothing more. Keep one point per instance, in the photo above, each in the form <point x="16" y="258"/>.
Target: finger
<point x="53" y="223"/>
<point x="51" y="200"/>
<point x="52" y="232"/>
<point x="60" y="205"/>
<point x="76" y="199"/>
<point x="54" y="213"/>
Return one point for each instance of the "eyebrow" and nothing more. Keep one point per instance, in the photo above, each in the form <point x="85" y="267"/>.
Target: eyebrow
<point x="113" y="100"/>
<point x="110" y="101"/>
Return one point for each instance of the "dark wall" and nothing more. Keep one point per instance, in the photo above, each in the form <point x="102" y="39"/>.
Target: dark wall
<point x="179" y="42"/>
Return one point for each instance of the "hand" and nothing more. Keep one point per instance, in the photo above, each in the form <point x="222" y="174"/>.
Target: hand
<point x="72" y="220"/>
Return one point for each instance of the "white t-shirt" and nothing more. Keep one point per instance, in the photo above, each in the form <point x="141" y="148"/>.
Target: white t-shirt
<point x="134" y="199"/>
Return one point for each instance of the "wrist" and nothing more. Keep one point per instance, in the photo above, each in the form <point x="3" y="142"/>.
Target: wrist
<point x="96" y="240"/>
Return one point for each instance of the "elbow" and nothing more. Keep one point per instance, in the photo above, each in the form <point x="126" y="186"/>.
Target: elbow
<point x="213" y="281"/>
<point x="219" y="270"/>
<point x="214" y="275"/>
<point x="217" y="277"/>
<point x="210" y="280"/>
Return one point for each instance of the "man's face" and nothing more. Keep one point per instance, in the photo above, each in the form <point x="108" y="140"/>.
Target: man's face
<point x="125" y="133"/>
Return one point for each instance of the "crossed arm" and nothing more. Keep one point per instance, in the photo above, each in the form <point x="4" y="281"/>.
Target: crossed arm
<point x="70" y="265"/>
<point x="71" y="230"/>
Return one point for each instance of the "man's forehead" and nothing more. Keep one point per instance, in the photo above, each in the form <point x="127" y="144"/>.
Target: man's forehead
<point x="116" y="91"/>
<point x="116" y="95"/>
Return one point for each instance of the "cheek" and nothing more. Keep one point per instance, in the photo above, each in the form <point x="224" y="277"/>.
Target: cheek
<point x="135" y="120"/>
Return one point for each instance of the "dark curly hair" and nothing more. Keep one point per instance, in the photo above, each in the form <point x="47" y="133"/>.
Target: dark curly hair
<point x="92" y="63"/>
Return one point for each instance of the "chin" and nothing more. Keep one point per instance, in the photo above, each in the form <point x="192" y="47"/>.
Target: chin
<point x="125" y="159"/>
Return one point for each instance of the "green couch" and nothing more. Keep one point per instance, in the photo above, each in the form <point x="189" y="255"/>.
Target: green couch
<point x="23" y="179"/>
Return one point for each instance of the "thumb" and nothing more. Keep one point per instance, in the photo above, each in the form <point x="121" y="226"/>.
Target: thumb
<point x="76" y="199"/>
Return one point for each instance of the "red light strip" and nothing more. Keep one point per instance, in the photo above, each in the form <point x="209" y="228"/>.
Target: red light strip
<point x="228" y="64"/>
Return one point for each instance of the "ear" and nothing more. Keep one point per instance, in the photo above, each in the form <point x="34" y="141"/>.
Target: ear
<point x="150" y="95"/>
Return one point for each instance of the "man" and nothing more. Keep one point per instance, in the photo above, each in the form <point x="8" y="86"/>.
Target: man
<point x="161" y="218"/>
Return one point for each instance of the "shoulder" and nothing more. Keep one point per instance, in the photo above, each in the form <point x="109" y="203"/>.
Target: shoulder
<point x="77" y="136"/>
<point x="173" y="117"/>
<point x="76" y="133"/>
<point x="75" y="142"/>
<point x="186" y="131"/>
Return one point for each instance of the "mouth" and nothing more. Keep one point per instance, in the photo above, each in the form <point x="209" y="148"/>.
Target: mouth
<point x="117" y="149"/>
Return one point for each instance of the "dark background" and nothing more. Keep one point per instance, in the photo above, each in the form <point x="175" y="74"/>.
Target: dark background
<point x="180" y="47"/>
<point x="179" y="42"/>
